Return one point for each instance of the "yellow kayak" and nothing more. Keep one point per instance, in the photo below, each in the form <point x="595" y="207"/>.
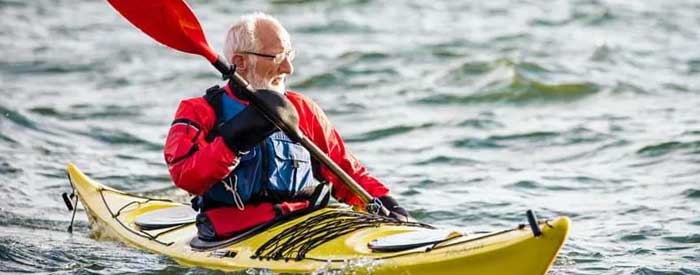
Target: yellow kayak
<point x="332" y="238"/>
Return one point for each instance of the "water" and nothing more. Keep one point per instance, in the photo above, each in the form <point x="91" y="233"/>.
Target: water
<point x="470" y="112"/>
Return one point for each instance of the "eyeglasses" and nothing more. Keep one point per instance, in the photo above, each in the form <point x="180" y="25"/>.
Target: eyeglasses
<point x="277" y="58"/>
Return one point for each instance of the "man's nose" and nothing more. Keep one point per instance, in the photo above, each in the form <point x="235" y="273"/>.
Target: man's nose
<point x="286" y="67"/>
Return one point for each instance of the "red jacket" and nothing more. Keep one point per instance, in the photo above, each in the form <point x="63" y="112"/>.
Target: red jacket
<point x="196" y="165"/>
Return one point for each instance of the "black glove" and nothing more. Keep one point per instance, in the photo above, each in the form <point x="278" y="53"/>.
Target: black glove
<point x="246" y="129"/>
<point x="395" y="211"/>
<point x="249" y="127"/>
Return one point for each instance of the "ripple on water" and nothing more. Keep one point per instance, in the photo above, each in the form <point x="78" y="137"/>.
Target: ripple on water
<point x="16" y="117"/>
<point x="693" y="66"/>
<point x="638" y="209"/>
<point x="505" y="81"/>
<point x="9" y="219"/>
<point x="137" y="182"/>
<point x="41" y="251"/>
<point x="450" y="49"/>
<point x="641" y="251"/>
<point x="577" y="135"/>
<point x="21" y="257"/>
<point x="321" y="80"/>
<point x="120" y="137"/>
<point x="42" y="67"/>
<point x="387" y="132"/>
<point x="692" y="238"/>
<point x="347" y="77"/>
<point x="657" y="271"/>
<point x="664" y="148"/>
<point x="82" y="112"/>
<point x="476" y="143"/>
<point x="336" y="26"/>
<point x="465" y="74"/>
<point x="642" y="233"/>
<point x="517" y="92"/>
<point x="358" y="57"/>
<point x="352" y="64"/>
<point x="24" y="256"/>
<point x="692" y="193"/>
<point x="6" y="168"/>
<point x="447" y="160"/>
<point x="533" y="185"/>
<point x="7" y="139"/>
<point x="633" y="237"/>
<point x="524" y="184"/>
<point x="478" y="123"/>
<point x="12" y="3"/>
<point x="532" y="136"/>
<point x="581" y="256"/>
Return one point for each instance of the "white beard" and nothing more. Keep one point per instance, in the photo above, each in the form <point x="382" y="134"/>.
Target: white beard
<point x="259" y="83"/>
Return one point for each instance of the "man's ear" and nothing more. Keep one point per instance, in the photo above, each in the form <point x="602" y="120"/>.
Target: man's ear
<point x="241" y="64"/>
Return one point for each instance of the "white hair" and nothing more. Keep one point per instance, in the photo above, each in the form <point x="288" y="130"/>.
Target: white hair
<point x="241" y="36"/>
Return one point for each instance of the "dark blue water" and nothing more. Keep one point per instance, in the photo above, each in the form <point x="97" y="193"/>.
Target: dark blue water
<point x="470" y="112"/>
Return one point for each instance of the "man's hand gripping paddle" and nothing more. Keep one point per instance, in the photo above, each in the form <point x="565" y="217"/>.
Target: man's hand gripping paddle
<point x="172" y="23"/>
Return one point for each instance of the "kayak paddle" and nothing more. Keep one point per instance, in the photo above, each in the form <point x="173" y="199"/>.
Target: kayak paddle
<point x="174" y="24"/>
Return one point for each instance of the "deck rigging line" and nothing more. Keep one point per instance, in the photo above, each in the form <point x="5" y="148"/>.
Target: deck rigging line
<point x="294" y="242"/>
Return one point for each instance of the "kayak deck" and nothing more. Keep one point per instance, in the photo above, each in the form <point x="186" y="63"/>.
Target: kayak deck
<point x="513" y="251"/>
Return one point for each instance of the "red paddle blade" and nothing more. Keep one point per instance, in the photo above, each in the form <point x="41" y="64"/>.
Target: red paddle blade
<point x="170" y="22"/>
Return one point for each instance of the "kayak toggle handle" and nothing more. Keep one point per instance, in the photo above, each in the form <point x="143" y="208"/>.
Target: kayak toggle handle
<point x="532" y="220"/>
<point x="68" y="199"/>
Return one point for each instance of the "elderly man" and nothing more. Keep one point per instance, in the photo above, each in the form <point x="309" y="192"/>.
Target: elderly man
<point x="243" y="170"/>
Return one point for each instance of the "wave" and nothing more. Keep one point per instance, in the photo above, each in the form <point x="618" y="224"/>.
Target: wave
<point x="657" y="271"/>
<point x="692" y="238"/>
<point x="692" y="193"/>
<point x="533" y="185"/>
<point x="119" y="137"/>
<point x="591" y="13"/>
<point x="7" y="139"/>
<point x="335" y="26"/>
<point x="16" y="117"/>
<point x="387" y="132"/>
<point x="505" y="81"/>
<point x="43" y="67"/>
<point x="9" y="219"/>
<point x="82" y="112"/>
<point x="476" y="143"/>
<point x="577" y="135"/>
<point x="518" y="92"/>
<point x="478" y="123"/>
<point x="351" y="64"/>
<point x="48" y="252"/>
<point x="448" y="160"/>
<point x="656" y="150"/>
<point x="139" y="183"/>
<point x="6" y="168"/>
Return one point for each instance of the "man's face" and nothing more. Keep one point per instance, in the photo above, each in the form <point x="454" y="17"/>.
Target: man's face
<point x="265" y="73"/>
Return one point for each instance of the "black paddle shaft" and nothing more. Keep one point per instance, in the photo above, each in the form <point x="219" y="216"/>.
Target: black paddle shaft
<point x="373" y="205"/>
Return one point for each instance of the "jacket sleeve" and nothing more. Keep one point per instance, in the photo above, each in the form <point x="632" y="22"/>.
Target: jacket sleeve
<point x="315" y="124"/>
<point x="194" y="164"/>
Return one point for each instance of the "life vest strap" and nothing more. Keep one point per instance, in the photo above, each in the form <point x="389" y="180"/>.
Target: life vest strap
<point x="213" y="97"/>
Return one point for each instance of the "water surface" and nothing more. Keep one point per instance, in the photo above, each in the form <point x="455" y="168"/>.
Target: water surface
<point x="470" y="112"/>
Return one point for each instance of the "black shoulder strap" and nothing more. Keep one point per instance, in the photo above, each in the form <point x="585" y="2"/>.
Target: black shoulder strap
<point x="213" y="96"/>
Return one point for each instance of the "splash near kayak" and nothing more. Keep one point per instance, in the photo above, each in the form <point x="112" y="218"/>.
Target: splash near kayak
<point x="327" y="238"/>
